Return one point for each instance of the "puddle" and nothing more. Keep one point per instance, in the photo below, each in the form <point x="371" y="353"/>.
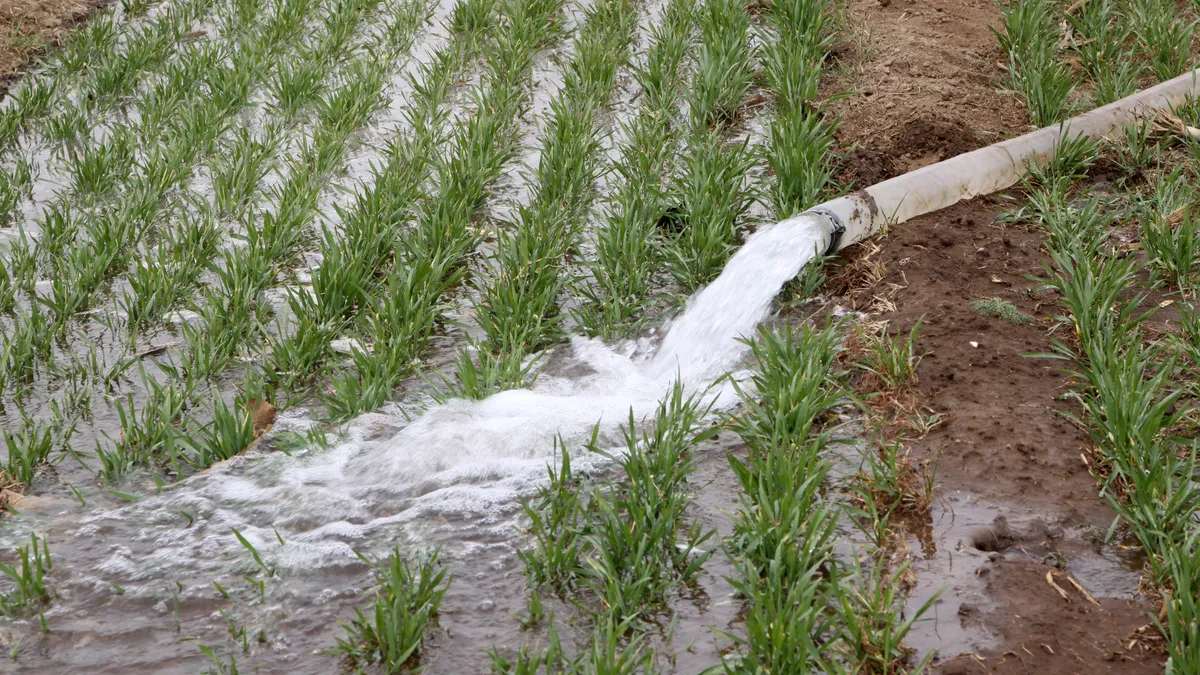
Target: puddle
<point x="968" y="536"/>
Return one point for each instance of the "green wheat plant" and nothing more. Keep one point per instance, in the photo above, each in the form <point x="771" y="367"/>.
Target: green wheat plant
<point x="892" y="359"/>
<point x="152" y="432"/>
<point x="873" y="621"/>
<point x="627" y="254"/>
<point x="1169" y="229"/>
<point x="237" y="175"/>
<point x="724" y="65"/>
<point x="799" y="150"/>
<point x="230" y="431"/>
<point x="1164" y="37"/>
<point x="406" y="603"/>
<point x="28" y="577"/>
<point x="556" y="516"/>
<point x="641" y="544"/>
<point x="1036" y="72"/>
<point x="1182" y="627"/>
<point x="789" y="588"/>
<point x="714" y="197"/>
<point x="28" y="450"/>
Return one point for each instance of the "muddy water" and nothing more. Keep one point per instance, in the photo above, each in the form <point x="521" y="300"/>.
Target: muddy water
<point x="142" y="574"/>
<point x="968" y="536"/>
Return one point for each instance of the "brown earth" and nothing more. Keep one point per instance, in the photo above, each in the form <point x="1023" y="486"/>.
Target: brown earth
<point x="1004" y="438"/>
<point x="924" y="80"/>
<point x="29" y="27"/>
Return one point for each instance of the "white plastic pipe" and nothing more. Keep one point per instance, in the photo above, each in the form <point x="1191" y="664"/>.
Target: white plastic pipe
<point x="986" y="170"/>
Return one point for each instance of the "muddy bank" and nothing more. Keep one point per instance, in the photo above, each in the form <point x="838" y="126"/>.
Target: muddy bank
<point x="31" y="28"/>
<point x="1015" y="500"/>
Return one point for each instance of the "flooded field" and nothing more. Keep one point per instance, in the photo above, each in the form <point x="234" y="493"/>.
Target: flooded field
<point x="465" y="336"/>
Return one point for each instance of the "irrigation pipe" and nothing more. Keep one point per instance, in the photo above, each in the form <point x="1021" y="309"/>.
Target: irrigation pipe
<point x="856" y="216"/>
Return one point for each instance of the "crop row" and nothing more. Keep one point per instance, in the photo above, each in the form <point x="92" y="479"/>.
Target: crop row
<point x="518" y="306"/>
<point x="1119" y="45"/>
<point x="431" y="238"/>
<point x="106" y="63"/>
<point x="82" y="249"/>
<point x="231" y="313"/>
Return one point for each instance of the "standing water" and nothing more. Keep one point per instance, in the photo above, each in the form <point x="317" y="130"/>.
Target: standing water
<point x="452" y="477"/>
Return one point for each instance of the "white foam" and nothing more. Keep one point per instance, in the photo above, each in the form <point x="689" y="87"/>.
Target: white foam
<point x="464" y="463"/>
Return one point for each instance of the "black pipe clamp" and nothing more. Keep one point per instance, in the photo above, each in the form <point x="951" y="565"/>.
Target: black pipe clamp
<point x="839" y="228"/>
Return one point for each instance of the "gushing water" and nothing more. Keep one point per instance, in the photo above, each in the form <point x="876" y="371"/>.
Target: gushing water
<point x="455" y="472"/>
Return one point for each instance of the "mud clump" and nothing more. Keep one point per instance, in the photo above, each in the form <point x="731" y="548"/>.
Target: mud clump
<point x="926" y="139"/>
<point x="934" y="135"/>
<point x="863" y="167"/>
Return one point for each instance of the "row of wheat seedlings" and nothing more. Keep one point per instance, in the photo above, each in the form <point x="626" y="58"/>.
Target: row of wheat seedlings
<point x="1133" y="390"/>
<point x="807" y="611"/>
<point x="619" y="550"/>
<point x="160" y="281"/>
<point x="355" y="256"/>
<point x="86" y="143"/>
<point x="158" y="200"/>
<point x="710" y="184"/>
<point x="518" y="305"/>
<point x="231" y="313"/>
<point x="1118" y="44"/>
<point x="430" y="255"/>
<point x="82" y="249"/>
<point x="799" y="141"/>
<point x="784" y="530"/>
<point x="428" y="259"/>
<point x="626" y="256"/>
<point x="394" y="307"/>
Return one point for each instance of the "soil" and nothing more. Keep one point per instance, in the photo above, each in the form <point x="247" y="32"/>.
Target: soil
<point x="30" y="27"/>
<point x="1005" y="441"/>
<point x="924" y="82"/>
<point x="923" y="78"/>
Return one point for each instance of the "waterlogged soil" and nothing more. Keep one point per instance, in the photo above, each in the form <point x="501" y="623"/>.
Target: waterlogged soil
<point x="1014" y="500"/>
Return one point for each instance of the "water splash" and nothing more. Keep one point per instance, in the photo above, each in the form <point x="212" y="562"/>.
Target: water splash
<point x="463" y="462"/>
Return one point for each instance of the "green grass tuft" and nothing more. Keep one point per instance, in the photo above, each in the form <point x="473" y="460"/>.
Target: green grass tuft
<point x="1001" y="308"/>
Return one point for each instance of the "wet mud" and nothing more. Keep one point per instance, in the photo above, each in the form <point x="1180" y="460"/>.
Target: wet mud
<point x="1014" y="499"/>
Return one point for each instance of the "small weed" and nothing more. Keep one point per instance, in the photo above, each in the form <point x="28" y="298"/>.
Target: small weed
<point x="1000" y="308"/>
